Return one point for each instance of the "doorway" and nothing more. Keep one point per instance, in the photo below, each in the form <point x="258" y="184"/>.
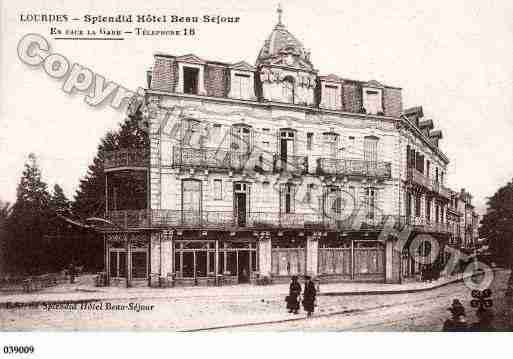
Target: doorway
<point x="243" y="266"/>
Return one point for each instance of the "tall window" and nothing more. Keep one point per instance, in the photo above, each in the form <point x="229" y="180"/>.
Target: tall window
<point x="191" y="196"/>
<point x="241" y="139"/>
<point x="370" y="149"/>
<point x="330" y="144"/>
<point x="241" y="86"/>
<point x="417" y="205"/>
<point x="370" y="195"/>
<point x="309" y="141"/>
<point x="218" y="189"/>
<point x="288" y="197"/>
<point x="428" y="209"/>
<point x="330" y="94"/>
<point x="288" y="89"/>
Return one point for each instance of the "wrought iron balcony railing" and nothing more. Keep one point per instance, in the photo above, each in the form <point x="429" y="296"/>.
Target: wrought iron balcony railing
<point x="291" y="164"/>
<point x="131" y="219"/>
<point x="422" y="224"/>
<point x="351" y="167"/>
<point x="415" y="176"/>
<point x="128" y="158"/>
<point x="219" y="159"/>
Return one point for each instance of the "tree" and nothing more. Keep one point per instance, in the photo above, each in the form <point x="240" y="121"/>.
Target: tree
<point x="5" y="211"/>
<point x="58" y="200"/>
<point x="27" y="224"/>
<point x="497" y="225"/>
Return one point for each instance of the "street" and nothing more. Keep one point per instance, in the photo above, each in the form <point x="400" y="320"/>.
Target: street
<point x="421" y="311"/>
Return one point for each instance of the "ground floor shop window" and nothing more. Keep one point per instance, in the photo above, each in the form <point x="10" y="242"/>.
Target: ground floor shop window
<point x="288" y="257"/>
<point x="118" y="263"/>
<point x="334" y="257"/>
<point x="369" y="257"/>
<point x="195" y="259"/>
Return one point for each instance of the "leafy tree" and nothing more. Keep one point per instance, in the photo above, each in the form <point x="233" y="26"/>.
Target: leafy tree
<point x="28" y="221"/>
<point x="497" y="225"/>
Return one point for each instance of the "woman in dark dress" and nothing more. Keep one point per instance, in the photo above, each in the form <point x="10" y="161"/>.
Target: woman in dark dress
<point x="292" y="299"/>
<point x="309" y="296"/>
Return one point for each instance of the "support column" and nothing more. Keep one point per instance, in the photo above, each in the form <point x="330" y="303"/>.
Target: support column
<point x="128" y="261"/>
<point x="167" y="259"/>
<point x="264" y="254"/>
<point x="312" y="254"/>
<point x="392" y="263"/>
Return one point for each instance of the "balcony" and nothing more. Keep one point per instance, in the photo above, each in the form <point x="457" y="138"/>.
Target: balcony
<point x="223" y="220"/>
<point x="218" y="159"/>
<point x="359" y="168"/>
<point x="441" y="190"/>
<point x="415" y="176"/>
<point x="291" y="164"/>
<point x="134" y="159"/>
<point x="423" y="225"/>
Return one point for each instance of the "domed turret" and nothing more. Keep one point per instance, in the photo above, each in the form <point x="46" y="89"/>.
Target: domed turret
<point x="282" y="48"/>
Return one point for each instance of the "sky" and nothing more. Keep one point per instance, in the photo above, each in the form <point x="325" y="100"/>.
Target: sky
<point x="452" y="57"/>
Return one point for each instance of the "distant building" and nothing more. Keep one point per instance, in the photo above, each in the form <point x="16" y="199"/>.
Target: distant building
<point x="273" y="170"/>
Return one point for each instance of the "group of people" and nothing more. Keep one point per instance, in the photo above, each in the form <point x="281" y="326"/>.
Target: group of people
<point x="294" y="299"/>
<point x="458" y="321"/>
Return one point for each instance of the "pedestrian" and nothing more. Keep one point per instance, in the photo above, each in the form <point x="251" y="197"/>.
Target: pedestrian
<point x="309" y="296"/>
<point x="71" y="273"/>
<point x="293" y="297"/>
<point x="457" y="322"/>
<point x="485" y="321"/>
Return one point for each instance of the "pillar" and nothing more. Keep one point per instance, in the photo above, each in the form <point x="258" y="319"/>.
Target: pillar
<point x="167" y="258"/>
<point x="392" y="262"/>
<point x="264" y="254"/>
<point x="312" y="253"/>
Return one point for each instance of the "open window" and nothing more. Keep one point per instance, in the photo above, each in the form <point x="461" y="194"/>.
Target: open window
<point x="288" y="89"/>
<point x="190" y="80"/>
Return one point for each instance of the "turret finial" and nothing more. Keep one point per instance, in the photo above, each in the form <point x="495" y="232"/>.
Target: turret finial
<point x="279" y="11"/>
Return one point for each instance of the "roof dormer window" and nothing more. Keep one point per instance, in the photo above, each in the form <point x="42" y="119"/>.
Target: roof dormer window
<point x="190" y="80"/>
<point x="372" y="100"/>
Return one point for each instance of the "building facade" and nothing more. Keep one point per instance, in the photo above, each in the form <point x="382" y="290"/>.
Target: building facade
<point x="271" y="170"/>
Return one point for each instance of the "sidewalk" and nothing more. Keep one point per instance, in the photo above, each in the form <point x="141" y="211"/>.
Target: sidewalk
<point x="83" y="291"/>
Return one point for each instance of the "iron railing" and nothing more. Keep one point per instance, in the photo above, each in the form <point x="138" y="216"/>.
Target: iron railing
<point x="219" y="159"/>
<point x="126" y="158"/>
<point x="351" y="167"/>
<point x="422" y="224"/>
<point x="130" y="219"/>
<point x="291" y="164"/>
<point x="433" y="185"/>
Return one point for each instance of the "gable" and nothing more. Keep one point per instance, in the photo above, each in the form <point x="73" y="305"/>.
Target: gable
<point x="242" y="66"/>
<point x="191" y="59"/>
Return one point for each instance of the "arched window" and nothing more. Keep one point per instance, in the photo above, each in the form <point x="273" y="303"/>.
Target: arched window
<point x="288" y="89"/>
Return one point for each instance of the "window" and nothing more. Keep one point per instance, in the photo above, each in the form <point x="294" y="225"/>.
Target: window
<point x="288" y="194"/>
<point x="428" y="209"/>
<point x="288" y="89"/>
<point x="428" y="168"/>
<point x="190" y="80"/>
<point x="370" y="149"/>
<point x="330" y="96"/>
<point x="241" y="85"/>
<point x="309" y="141"/>
<point x="372" y="101"/>
<point x="330" y="144"/>
<point x="417" y="205"/>
<point x="242" y="139"/>
<point x="191" y="201"/>
<point x="218" y="189"/>
<point x="370" y="200"/>
<point x="309" y="190"/>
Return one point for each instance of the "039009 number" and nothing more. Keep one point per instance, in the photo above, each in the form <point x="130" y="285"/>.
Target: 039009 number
<point x="18" y="349"/>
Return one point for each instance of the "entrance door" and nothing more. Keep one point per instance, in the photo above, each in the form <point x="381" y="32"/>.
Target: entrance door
<point x="240" y="196"/>
<point x="243" y="266"/>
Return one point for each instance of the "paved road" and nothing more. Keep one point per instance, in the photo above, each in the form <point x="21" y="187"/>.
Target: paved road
<point x="424" y="311"/>
<point x="405" y="312"/>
